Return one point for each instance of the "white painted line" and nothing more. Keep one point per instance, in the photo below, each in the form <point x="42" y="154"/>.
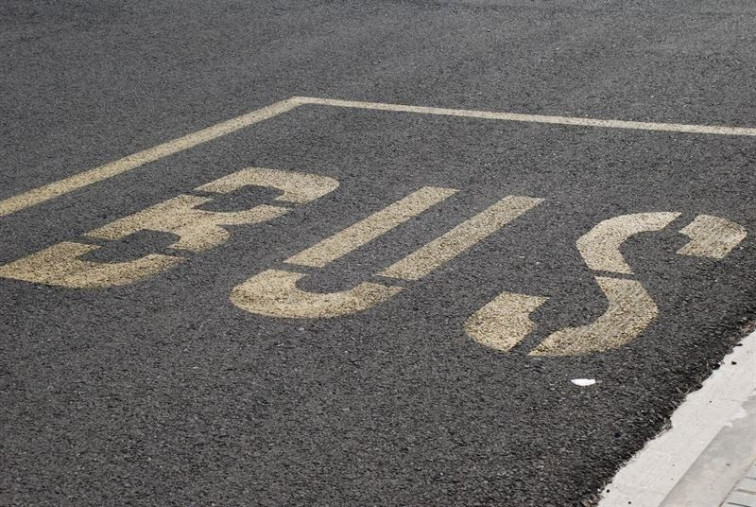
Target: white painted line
<point x="649" y="477"/>
<point x="536" y="118"/>
<point x="61" y="187"/>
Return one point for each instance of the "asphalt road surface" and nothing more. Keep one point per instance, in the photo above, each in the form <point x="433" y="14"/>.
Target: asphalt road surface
<point x="342" y="303"/>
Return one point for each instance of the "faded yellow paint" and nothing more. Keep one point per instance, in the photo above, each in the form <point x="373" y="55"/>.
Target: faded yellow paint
<point x="629" y="313"/>
<point x="600" y="247"/>
<point x="534" y="118"/>
<point x="370" y="228"/>
<point x="441" y="250"/>
<point x="60" y="265"/>
<point x="713" y="237"/>
<point x="297" y="188"/>
<point x="55" y="189"/>
<point x="200" y="230"/>
<point x="274" y="293"/>
<point x="52" y="190"/>
<point x="505" y="321"/>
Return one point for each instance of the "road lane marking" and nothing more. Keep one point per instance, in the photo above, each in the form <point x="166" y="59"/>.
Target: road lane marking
<point x="58" y="188"/>
<point x="274" y="293"/>
<point x="61" y="187"/>
<point x="536" y="118"/>
<point x="501" y="324"/>
<point x="198" y="230"/>
<point x="504" y="322"/>
<point x="600" y="247"/>
<point x="370" y="228"/>
<point x="201" y="230"/>
<point x="296" y="188"/>
<point x="60" y="266"/>
<point x="629" y="313"/>
<point x="712" y="237"/>
<point x="441" y="250"/>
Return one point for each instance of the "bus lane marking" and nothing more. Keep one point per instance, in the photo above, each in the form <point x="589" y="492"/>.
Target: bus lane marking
<point x="448" y="246"/>
<point x="198" y="230"/>
<point x="274" y="292"/>
<point x="370" y="228"/>
<point x="505" y="321"/>
<point x="64" y="186"/>
<point x="83" y="179"/>
<point x="501" y="324"/>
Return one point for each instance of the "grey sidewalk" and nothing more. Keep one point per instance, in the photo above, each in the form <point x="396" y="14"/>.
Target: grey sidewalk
<point x="720" y="476"/>
<point x="744" y="493"/>
<point x="707" y="457"/>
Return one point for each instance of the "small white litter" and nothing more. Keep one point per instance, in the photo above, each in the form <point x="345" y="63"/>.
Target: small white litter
<point x="583" y="382"/>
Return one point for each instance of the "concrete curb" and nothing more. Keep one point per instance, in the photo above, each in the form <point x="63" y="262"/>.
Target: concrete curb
<point x="709" y="449"/>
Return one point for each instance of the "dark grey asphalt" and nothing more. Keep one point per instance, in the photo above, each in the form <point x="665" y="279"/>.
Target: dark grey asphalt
<point x="164" y="393"/>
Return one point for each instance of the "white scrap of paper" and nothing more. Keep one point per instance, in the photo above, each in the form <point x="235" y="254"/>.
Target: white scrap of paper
<point x="583" y="382"/>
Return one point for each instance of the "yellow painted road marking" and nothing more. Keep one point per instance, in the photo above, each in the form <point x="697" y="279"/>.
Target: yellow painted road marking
<point x="274" y="293"/>
<point x="200" y="230"/>
<point x="630" y="311"/>
<point x="713" y="237"/>
<point x="505" y="321"/>
<point x="60" y="265"/>
<point x="297" y="188"/>
<point x="535" y="118"/>
<point x="500" y="324"/>
<point x="61" y="187"/>
<point x="439" y="251"/>
<point x="600" y="247"/>
<point x="123" y="165"/>
<point x="375" y="225"/>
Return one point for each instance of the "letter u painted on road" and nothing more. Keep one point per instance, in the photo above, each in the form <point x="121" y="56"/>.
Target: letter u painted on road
<point x="274" y="292"/>
<point x="197" y="230"/>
